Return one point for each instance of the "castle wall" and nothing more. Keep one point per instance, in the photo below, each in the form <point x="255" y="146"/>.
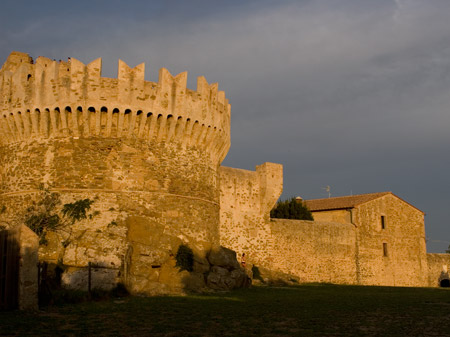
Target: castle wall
<point x="166" y="186"/>
<point x="246" y="198"/>
<point x="147" y="153"/>
<point x="314" y="251"/>
<point x="50" y="98"/>
<point x="438" y="265"/>
<point x="404" y="237"/>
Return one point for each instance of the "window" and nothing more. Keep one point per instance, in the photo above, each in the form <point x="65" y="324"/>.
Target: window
<point x="383" y="222"/>
<point x="385" y="249"/>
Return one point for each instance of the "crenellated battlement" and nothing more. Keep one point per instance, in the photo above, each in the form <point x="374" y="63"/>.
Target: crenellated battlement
<point x="48" y="98"/>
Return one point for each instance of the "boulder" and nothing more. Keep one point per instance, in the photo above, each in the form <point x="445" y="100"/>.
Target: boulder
<point x="222" y="279"/>
<point x="217" y="281"/>
<point x="223" y="257"/>
<point x="201" y="264"/>
<point x="240" y="278"/>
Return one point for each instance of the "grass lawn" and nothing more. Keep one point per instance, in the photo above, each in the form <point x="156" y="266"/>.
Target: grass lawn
<point x="305" y="310"/>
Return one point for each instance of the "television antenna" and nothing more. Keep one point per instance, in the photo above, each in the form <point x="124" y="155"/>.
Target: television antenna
<point x="328" y="189"/>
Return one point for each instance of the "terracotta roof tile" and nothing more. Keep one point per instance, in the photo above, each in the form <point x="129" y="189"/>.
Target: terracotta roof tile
<point x="342" y="202"/>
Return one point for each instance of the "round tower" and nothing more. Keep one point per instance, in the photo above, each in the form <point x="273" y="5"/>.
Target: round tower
<point x="145" y="151"/>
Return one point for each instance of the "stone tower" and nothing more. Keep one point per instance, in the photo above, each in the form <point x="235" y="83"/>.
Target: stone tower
<point x="148" y="152"/>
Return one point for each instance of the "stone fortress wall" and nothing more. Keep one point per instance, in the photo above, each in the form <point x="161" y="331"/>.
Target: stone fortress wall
<point x="149" y="155"/>
<point x="314" y="251"/>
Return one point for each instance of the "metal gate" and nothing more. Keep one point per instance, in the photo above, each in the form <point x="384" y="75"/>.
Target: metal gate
<point x="9" y="270"/>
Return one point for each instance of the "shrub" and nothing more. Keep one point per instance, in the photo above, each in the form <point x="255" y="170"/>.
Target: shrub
<point x="291" y="209"/>
<point x="77" y="210"/>
<point x="45" y="214"/>
<point x="185" y="258"/>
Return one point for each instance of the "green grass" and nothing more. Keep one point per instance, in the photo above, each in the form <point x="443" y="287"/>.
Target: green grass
<point x="305" y="310"/>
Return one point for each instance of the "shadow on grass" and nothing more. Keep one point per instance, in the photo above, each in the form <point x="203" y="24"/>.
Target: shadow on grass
<point x="325" y="310"/>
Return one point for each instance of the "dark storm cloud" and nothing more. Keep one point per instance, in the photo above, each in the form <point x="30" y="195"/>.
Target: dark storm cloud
<point x="351" y="94"/>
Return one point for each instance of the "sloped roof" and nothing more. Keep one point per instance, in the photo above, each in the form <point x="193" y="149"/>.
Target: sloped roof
<point x="346" y="202"/>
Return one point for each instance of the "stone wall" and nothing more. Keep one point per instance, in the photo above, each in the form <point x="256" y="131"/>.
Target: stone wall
<point x="403" y="236"/>
<point x="438" y="265"/>
<point x="246" y="198"/>
<point x="171" y="189"/>
<point x="46" y="98"/>
<point x="314" y="251"/>
<point x="140" y="150"/>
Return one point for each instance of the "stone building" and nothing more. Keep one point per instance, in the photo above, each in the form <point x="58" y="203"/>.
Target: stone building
<point x="390" y="244"/>
<point x="148" y="155"/>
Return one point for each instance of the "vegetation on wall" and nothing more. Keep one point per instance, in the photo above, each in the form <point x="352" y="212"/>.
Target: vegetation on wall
<point x="185" y="258"/>
<point x="291" y="209"/>
<point x="46" y="214"/>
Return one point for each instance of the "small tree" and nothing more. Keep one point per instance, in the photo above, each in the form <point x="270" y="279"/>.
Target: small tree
<point x="291" y="209"/>
<point x="46" y="215"/>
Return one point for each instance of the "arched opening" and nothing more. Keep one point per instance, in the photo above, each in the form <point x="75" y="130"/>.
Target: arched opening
<point x="103" y="119"/>
<point x="35" y="121"/>
<point x="68" y="122"/>
<point x="115" y="121"/>
<point x="445" y="283"/>
<point x="93" y="120"/>
<point x="126" y="120"/>
<point x="45" y="122"/>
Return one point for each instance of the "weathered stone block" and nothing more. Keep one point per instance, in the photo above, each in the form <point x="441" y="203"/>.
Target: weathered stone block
<point x="223" y="257"/>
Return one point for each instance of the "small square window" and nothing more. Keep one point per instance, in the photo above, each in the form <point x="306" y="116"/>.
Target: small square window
<point x="383" y="222"/>
<point x="385" y="249"/>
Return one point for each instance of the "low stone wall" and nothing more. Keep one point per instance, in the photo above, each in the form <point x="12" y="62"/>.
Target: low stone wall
<point x="314" y="251"/>
<point x="438" y="268"/>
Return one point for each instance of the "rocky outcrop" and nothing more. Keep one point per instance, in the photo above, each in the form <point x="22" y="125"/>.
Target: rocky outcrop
<point x="225" y="272"/>
<point x="217" y="269"/>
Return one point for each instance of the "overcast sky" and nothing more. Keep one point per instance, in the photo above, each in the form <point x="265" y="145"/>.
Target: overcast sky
<point x="354" y="94"/>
